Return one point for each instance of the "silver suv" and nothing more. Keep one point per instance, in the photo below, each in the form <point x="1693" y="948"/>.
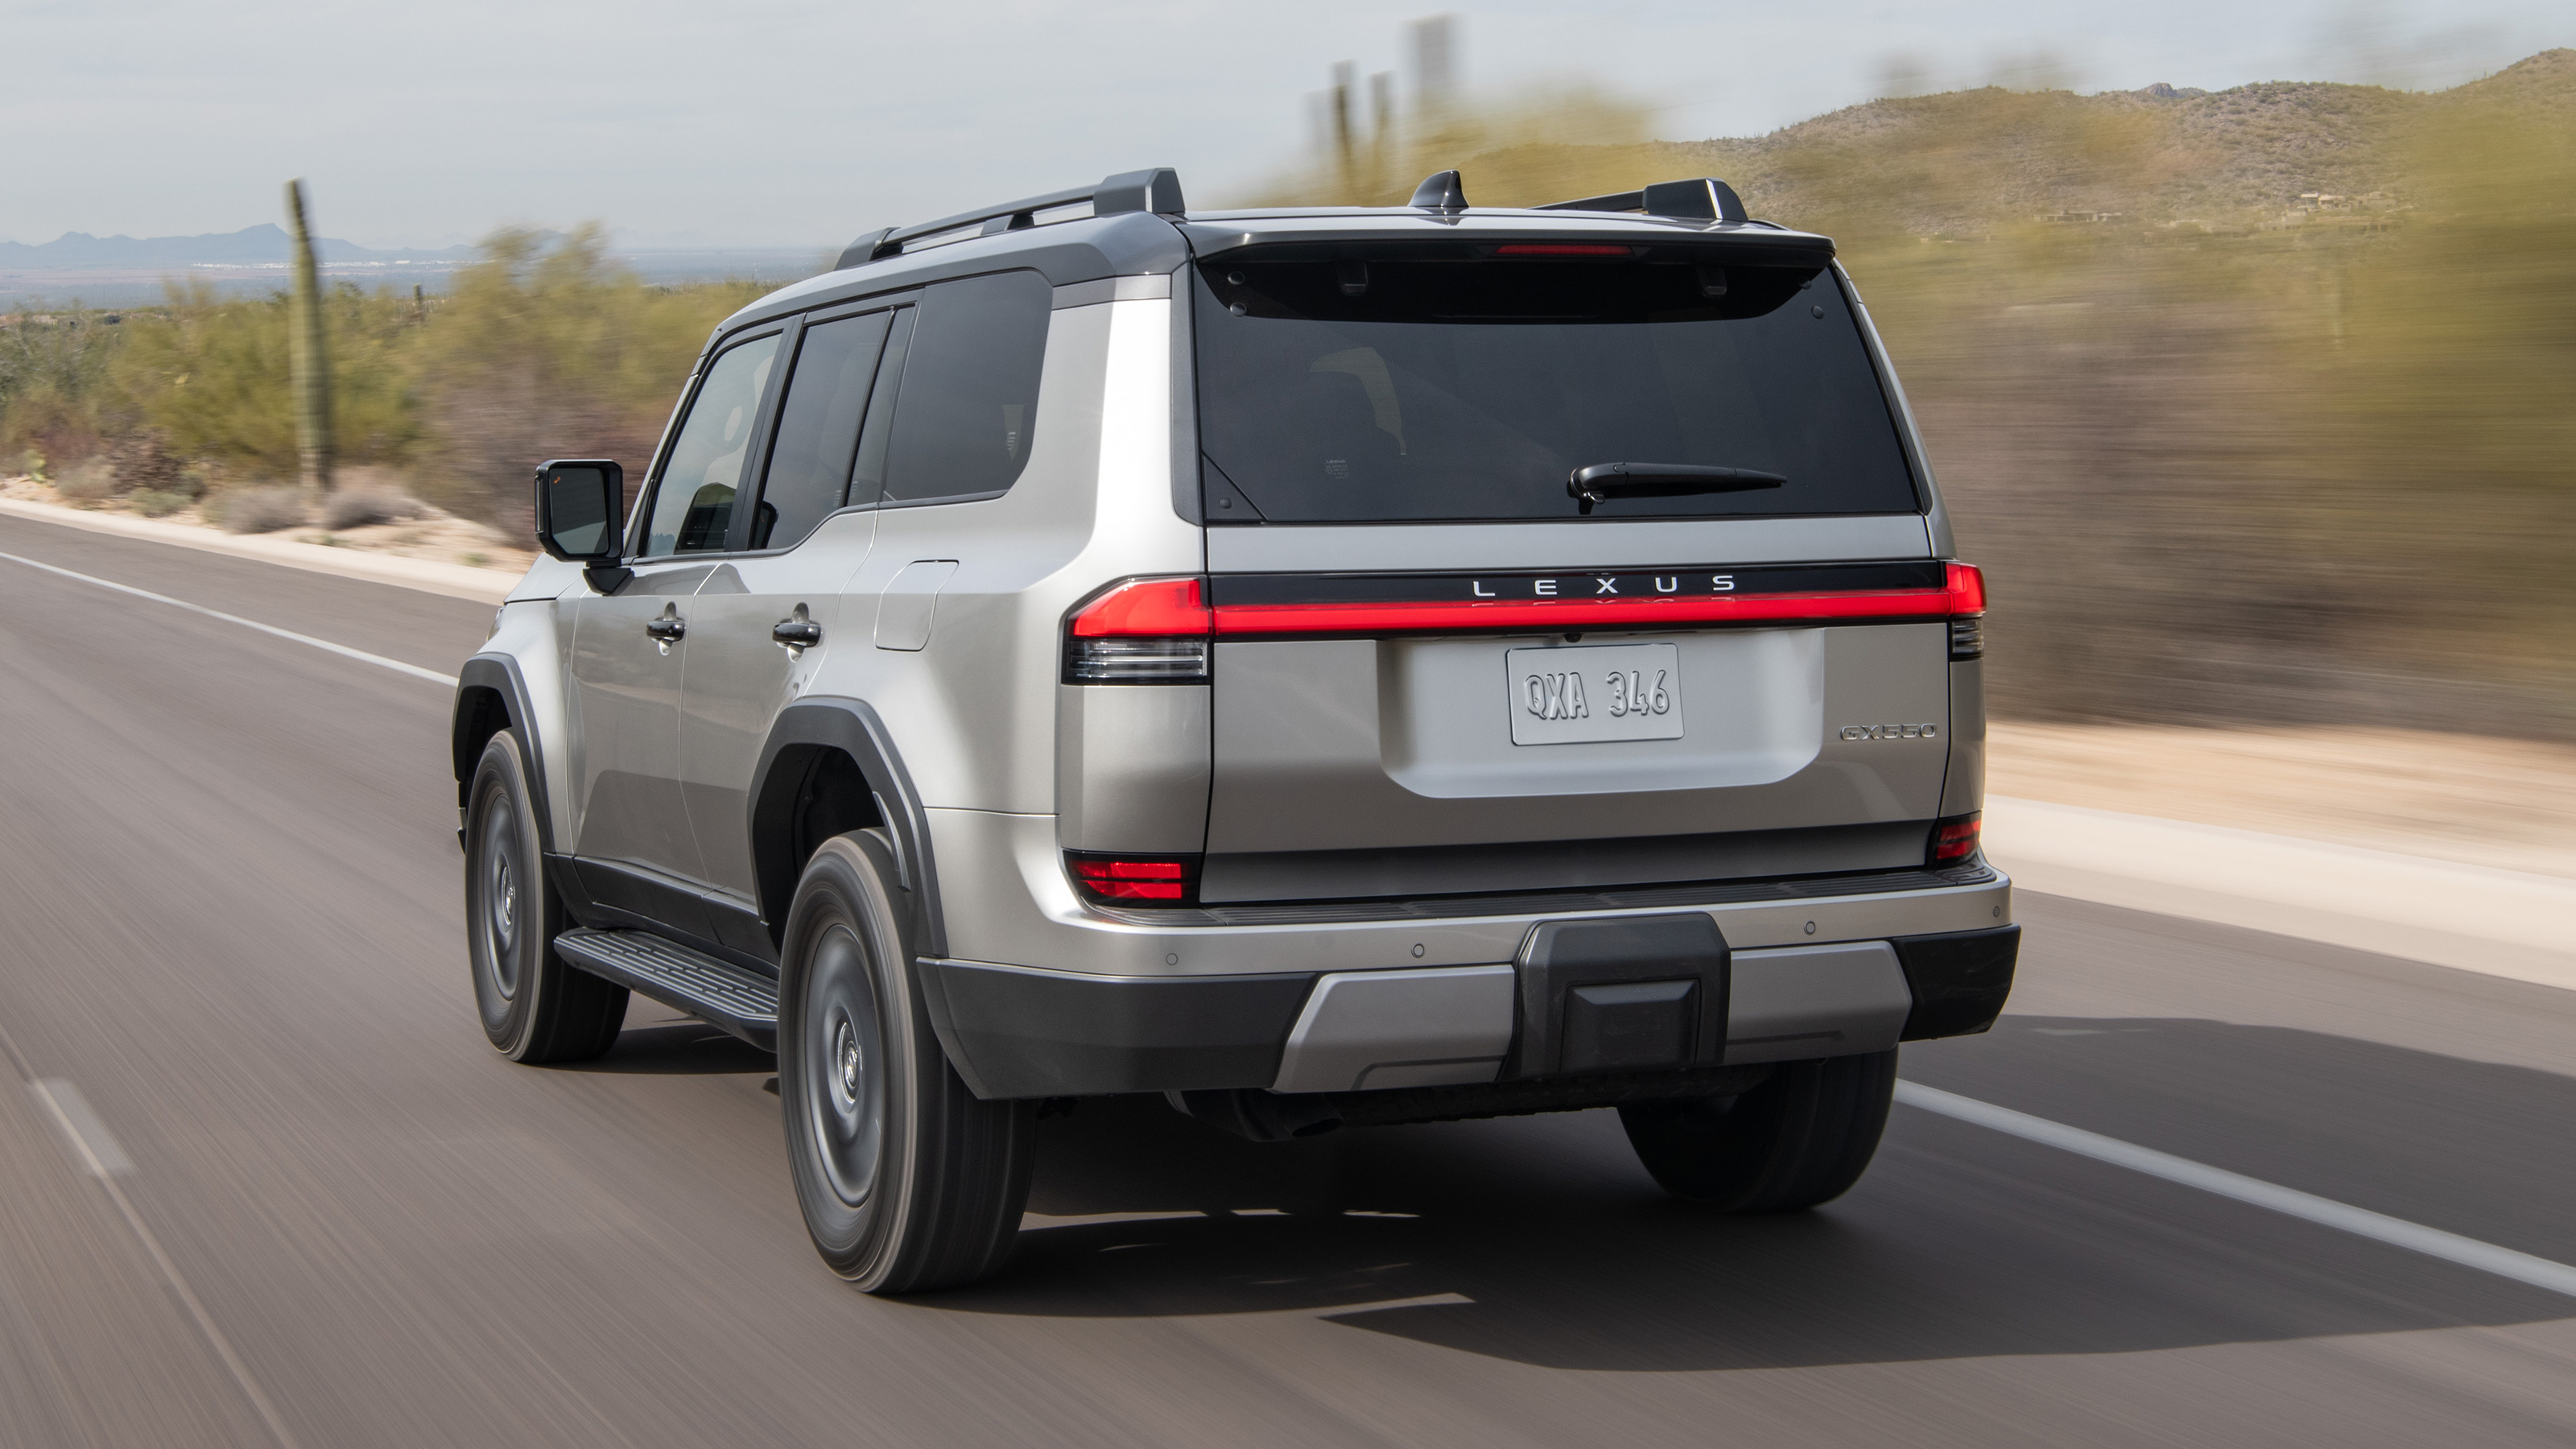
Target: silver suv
<point x="1328" y="667"/>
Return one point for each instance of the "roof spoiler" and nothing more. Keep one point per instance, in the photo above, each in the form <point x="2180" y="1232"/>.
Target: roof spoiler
<point x="1701" y="198"/>
<point x="1155" y="191"/>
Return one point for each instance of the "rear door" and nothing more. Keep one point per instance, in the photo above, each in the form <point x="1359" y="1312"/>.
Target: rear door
<point x="1438" y="670"/>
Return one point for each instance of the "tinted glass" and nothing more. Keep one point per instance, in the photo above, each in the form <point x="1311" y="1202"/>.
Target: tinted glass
<point x="867" y="479"/>
<point x="693" y="506"/>
<point x="1469" y="388"/>
<point x="969" y="403"/>
<point x="818" y="428"/>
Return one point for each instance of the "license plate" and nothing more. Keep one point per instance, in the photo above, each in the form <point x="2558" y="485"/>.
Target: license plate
<point x="1593" y="693"/>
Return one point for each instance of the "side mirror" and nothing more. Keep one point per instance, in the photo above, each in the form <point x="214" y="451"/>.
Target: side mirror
<point x="581" y="504"/>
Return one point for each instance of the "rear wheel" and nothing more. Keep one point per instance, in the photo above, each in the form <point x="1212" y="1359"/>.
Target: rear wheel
<point x="1802" y="1137"/>
<point x="535" y="1008"/>
<point x="907" y="1181"/>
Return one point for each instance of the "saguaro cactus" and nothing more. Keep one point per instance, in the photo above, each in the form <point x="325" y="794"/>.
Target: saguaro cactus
<point x="309" y="368"/>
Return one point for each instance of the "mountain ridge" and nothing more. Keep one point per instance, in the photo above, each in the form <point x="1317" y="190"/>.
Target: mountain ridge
<point x="1961" y="159"/>
<point x="252" y="245"/>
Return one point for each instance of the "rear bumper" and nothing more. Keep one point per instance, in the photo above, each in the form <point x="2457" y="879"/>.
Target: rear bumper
<point x="1023" y="1032"/>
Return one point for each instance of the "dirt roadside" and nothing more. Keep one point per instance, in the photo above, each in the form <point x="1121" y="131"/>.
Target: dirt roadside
<point x="435" y="536"/>
<point x="2510" y="804"/>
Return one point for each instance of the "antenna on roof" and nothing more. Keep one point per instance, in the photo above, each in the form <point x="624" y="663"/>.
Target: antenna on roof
<point x="1440" y="191"/>
<point x="1157" y="191"/>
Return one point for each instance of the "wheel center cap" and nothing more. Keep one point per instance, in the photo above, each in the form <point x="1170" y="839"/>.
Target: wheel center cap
<point x="849" y="1055"/>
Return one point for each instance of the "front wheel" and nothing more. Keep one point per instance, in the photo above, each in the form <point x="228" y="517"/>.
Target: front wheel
<point x="1802" y="1137"/>
<point x="907" y="1181"/>
<point x="535" y="1008"/>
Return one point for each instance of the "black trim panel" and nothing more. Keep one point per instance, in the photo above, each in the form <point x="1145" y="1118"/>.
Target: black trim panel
<point x="1564" y="962"/>
<point x="500" y="673"/>
<point x="1959" y="979"/>
<point x="1677" y="581"/>
<point x="605" y="896"/>
<point x="1016" y="1033"/>
<point x="1275" y="877"/>
<point x="851" y="726"/>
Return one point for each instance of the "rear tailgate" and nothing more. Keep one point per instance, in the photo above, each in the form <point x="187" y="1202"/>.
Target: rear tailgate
<point x="1559" y="560"/>
<point x="1596" y="728"/>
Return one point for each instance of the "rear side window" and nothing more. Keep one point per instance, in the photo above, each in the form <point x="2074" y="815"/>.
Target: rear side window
<point x="693" y="504"/>
<point x="1467" y="386"/>
<point x="967" y="406"/>
<point x="817" y="437"/>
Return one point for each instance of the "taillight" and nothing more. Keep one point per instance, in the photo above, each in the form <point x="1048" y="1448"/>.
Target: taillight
<point x="1954" y="840"/>
<point x="1158" y="880"/>
<point x="1145" y="631"/>
<point x="1967" y="591"/>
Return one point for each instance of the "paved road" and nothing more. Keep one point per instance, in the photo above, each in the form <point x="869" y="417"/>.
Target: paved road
<point x="229" y="944"/>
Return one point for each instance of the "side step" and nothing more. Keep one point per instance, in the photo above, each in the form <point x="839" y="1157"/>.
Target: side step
<point x="719" y="993"/>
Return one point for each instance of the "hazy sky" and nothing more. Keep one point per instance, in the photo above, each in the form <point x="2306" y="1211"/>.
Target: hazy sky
<point x="780" y="122"/>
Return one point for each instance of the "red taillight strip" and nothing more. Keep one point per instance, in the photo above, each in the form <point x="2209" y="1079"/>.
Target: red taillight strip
<point x="1588" y="613"/>
<point x="1173" y="607"/>
<point x="1145" y="609"/>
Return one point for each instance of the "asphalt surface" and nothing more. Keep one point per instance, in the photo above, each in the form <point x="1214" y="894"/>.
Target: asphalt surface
<point x="230" y="946"/>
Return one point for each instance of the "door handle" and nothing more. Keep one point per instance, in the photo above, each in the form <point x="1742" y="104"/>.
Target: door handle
<point x="797" y="633"/>
<point x="666" y="629"/>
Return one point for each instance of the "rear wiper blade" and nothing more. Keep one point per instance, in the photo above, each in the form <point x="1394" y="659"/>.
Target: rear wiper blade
<point x="1604" y="481"/>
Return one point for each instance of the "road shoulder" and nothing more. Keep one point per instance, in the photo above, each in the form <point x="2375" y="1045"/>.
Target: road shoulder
<point x="488" y="586"/>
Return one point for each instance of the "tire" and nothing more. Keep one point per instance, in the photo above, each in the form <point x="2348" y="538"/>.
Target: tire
<point x="535" y="1008"/>
<point x="907" y="1181"/>
<point x="1802" y="1137"/>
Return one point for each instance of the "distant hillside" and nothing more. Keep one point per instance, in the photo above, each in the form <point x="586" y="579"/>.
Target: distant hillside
<point x="1967" y="158"/>
<point x="250" y="246"/>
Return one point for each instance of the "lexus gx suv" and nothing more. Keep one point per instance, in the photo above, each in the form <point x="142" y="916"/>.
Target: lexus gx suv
<point x="1327" y="667"/>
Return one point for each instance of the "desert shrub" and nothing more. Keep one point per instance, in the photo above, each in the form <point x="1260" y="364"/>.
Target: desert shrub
<point x="211" y="375"/>
<point x="57" y="393"/>
<point x="259" y="510"/>
<point x="88" y="481"/>
<point x="554" y="354"/>
<point x="355" y="505"/>
<point x="157" y="503"/>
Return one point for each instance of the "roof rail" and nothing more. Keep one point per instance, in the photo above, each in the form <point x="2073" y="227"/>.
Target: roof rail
<point x="1702" y="198"/>
<point x="1156" y="191"/>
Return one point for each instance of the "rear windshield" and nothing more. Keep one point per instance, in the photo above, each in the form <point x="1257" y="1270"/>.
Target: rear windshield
<point x="1469" y="386"/>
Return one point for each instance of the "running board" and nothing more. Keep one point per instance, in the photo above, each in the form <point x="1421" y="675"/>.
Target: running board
<point x="719" y="993"/>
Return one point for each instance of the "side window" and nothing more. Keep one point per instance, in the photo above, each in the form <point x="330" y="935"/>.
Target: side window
<point x="818" y="428"/>
<point x="968" y="407"/>
<point x="693" y="503"/>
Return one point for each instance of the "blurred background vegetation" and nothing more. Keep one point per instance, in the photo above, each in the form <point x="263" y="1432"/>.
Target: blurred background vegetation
<point x="532" y="352"/>
<point x="2257" y="406"/>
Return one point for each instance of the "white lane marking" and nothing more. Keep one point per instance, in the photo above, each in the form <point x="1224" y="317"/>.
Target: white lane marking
<point x="52" y="1091"/>
<point x="90" y="1140"/>
<point x="2396" y="1232"/>
<point x="343" y="650"/>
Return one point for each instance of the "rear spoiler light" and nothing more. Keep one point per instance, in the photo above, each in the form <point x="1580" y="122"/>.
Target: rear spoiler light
<point x="1157" y="630"/>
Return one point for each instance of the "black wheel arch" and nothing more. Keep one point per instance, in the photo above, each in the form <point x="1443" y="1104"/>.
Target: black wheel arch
<point x="830" y="766"/>
<point x="492" y="696"/>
